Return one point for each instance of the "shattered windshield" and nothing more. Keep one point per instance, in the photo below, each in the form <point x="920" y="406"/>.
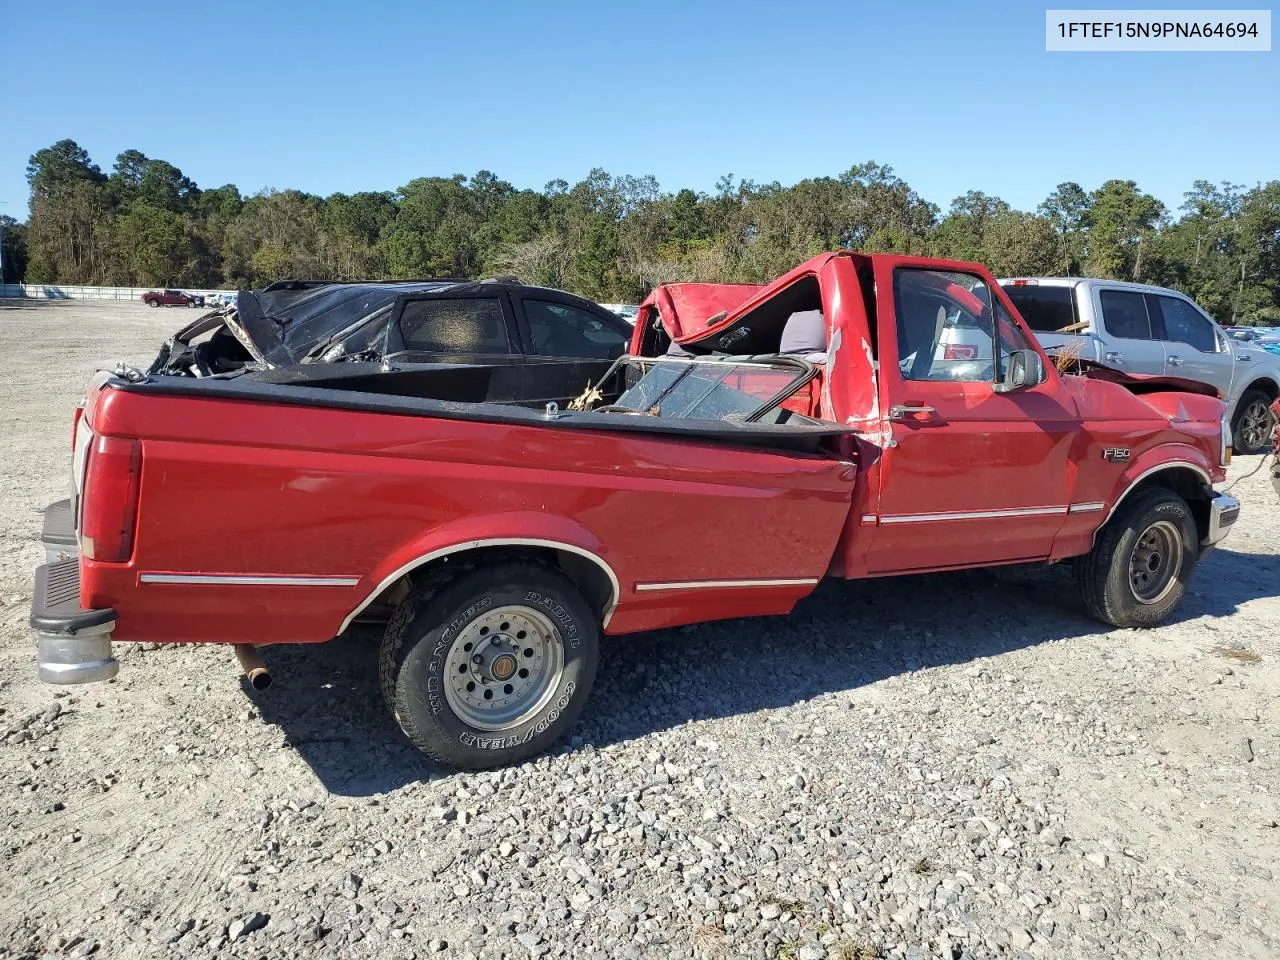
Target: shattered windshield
<point x="705" y="388"/>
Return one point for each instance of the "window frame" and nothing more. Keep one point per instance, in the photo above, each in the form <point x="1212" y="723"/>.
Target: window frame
<point x="556" y="298"/>
<point x="395" y="343"/>
<point x="1016" y="323"/>
<point x="996" y="302"/>
<point x="1195" y="309"/>
<point x="1011" y="286"/>
<point x="1152" y="327"/>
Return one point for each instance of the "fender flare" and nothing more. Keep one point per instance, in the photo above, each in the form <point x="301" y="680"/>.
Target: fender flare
<point x="494" y="530"/>
<point x="1265" y="381"/>
<point x="1176" y="456"/>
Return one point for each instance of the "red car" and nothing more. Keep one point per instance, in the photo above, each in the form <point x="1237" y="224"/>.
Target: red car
<point x="754" y="442"/>
<point x="171" y="298"/>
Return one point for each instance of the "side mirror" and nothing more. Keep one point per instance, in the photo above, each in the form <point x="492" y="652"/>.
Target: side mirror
<point x="1023" y="369"/>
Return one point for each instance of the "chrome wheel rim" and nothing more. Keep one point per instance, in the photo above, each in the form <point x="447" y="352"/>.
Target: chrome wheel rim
<point x="503" y="668"/>
<point x="1255" y="424"/>
<point x="1155" y="562"/>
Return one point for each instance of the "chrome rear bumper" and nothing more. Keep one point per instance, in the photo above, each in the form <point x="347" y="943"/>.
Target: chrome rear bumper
<point x="73" y="644"/>
<point x="84" y="658"/>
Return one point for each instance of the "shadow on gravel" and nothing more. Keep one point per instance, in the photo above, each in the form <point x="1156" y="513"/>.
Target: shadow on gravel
<point x="326" y="701"/>
<point x="846" y="635"/>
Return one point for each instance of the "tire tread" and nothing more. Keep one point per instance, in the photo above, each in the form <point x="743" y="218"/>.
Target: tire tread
<point x="1094" y="569"/>
<point x="397" y="647"/>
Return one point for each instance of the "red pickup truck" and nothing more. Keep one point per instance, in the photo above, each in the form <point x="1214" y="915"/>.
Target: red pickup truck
<point x="171" y="298"/>
<point x="847" y="420"/>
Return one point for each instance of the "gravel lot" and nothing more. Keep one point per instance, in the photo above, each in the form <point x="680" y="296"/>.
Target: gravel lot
<point x="953" y="766"/>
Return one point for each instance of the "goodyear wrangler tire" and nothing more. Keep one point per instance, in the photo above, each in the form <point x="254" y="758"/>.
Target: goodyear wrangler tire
<point x="491" y="667"/>
<point x="1141" y="562"/>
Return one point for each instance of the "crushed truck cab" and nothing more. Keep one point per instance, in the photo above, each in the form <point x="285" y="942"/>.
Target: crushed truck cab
<point x="861" y="416"/>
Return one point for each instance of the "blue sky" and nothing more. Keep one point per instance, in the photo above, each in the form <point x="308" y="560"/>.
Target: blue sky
<point x="331" y="97"/>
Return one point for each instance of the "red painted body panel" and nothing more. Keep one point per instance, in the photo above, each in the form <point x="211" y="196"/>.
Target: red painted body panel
<point x="978" y="452"/>
<point x="235" y="488"/>
<point x="166" y="297"/>
<point x="309" y="492"/>
<point x="684" y="307"/>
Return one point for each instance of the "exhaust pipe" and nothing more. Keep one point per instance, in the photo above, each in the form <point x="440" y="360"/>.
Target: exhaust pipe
<point x="255" y="670"/>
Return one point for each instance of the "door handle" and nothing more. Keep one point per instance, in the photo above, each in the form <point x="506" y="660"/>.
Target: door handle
<point x="1244" y="357"/>
<point x="1113" y="357"/>
<point x="1175" y="361"/>
<point x="900" y="411"/>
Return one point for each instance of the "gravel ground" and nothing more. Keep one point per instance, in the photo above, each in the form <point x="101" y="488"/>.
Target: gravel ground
<point x="984" y="774"/>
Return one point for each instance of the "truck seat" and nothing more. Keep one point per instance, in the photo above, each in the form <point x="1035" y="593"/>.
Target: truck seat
<point x="805" y="335"/>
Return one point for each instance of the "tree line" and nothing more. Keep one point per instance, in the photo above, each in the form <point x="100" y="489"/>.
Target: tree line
<point x="613" y="238"/>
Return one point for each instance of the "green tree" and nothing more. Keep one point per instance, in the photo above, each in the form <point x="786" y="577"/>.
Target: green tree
<point x="286" y="223"/>
<point x="55" y="171"/>
<point x="1067" y="209"/>
<point x="13" y="249"/>
<point x="154" y="245"/>
<point x="615" y="237"/>
<point x="1257" y="296"/>
<point x="1020" y="244"/>
<point x="1121" y="220"/>
<point x="350" y="229"/>
<point x="434" y="233"/>
<point x="69" y="225"/>
<point x="962" y="233"/>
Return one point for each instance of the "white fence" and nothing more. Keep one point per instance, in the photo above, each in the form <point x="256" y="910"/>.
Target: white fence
<point x="59" y="291"/>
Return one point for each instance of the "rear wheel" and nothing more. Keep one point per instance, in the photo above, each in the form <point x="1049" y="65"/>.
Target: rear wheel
<point x="490" y="667"/>
<point x="1141" y="562"/>
<point x="1253" y="423"/>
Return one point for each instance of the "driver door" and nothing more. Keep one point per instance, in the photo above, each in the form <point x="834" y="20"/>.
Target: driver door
<point x="1192" y="346"/>
<point x="970" y="475"/>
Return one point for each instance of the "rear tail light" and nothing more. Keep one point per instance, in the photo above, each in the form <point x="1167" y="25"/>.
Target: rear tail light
<point x="110" y="499"/>
<point x="959" y="351"/>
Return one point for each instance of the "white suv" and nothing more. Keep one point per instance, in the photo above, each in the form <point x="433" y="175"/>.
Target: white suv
<point x="1139" y="328"/>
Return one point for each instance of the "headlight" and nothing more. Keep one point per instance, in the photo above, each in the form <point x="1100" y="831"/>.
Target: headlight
<point x="1224" y="440"/>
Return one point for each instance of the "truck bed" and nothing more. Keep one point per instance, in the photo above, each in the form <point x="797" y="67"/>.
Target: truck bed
<point x="276" y="512"/>
<point x="449" y="392"/>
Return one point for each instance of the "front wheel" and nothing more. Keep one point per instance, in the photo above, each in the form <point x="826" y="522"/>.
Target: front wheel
<point x="492" y="667"/>
<point x="1141" y="561"/>
<point x="1253" y="423"/>
<point x="153" y="303"/>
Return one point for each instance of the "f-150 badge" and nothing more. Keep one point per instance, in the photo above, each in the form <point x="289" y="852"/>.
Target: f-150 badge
<point x="1115" y="454"/>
